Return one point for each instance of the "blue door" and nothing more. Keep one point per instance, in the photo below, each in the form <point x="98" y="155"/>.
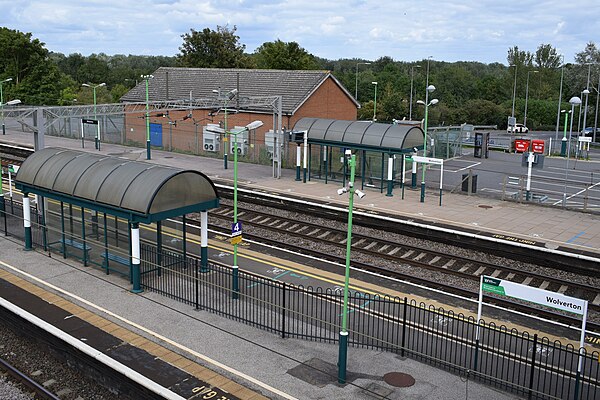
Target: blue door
<point x="156" y="135"/>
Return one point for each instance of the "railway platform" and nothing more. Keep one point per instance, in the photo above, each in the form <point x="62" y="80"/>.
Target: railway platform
<point x="187" y="350"/>
<point x="521" y="223"/>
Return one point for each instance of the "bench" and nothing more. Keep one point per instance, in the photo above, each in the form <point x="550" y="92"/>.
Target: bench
<point x="76" y="245"/>
<point x="116" y="258"/>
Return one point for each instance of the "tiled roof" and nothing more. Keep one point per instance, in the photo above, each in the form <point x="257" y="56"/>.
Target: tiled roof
<point x="170" y="83"/>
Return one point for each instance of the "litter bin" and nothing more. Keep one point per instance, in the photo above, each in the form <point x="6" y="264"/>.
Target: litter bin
<point x="465" y="183"/>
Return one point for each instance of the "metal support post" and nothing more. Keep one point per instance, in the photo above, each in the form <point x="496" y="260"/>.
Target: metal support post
<point x="135" y="257"/>
<point x="390" y="176"/>
<point x="343" y="338"/>
<point x="204" y="241"/>
<point x="27" y="221"/>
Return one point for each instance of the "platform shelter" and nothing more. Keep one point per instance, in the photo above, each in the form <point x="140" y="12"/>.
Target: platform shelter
<point x="132" y="192"/>
<point x="381" y="150"/>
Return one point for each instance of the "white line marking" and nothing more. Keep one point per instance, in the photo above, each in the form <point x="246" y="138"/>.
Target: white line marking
<point x="467" y="167"/>
<point x="156" y="335"/>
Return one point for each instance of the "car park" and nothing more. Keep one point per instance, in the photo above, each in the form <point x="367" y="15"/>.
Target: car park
<point x="518" y="128"/>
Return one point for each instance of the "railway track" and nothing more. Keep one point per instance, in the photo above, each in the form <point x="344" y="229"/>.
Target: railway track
<point x="467" y="269"/>
<point x="394" y="253"/>
<point x="21" y="378"/>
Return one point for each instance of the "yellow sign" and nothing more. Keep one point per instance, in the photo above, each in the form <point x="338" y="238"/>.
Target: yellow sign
<point x="236" y="239"/>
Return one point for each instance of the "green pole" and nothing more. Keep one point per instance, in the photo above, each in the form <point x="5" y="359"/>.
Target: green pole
<point x="225" y="141"/>
<point x="563" y="146"/>
<point x="95" y="117"/>
<point x="235" y="272"/>
<point x="2" y="103"/>
<point x="148" y="152"/>
<point x="424" y="146"/>
<point x="2" y="107"/>
<point x="375" y="103"/>
<point x="2" y="202"/>
<point x="343" y="350"/>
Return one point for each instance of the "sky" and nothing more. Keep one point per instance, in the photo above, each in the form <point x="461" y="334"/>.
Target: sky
<point x="445" y="30"/>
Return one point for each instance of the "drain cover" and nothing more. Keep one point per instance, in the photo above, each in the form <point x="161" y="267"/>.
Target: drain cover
<point x="399" y="379"/>
<point x="484" y="206"/>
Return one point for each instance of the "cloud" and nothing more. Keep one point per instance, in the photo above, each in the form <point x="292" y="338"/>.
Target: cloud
<point x="451" y="30"/>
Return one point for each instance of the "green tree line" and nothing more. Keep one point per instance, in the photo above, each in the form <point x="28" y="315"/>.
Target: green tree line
<point x="470" y="92"/>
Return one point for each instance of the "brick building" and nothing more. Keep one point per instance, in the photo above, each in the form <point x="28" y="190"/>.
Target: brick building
<point x="316" y="94"/>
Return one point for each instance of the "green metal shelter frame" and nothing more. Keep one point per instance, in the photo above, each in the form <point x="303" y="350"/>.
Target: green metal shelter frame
<point x="137" y="191"/>
<point x="363" y="136"/>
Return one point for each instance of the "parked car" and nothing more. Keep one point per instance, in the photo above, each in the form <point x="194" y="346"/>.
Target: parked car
<point x="519" y="128"/>
<point x="589" y="131"/>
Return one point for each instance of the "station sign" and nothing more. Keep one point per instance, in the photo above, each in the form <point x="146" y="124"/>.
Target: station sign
<point x="539" y="296"/>
<point x="236" y="233"/>
<point x="585" y="139"/>
<point x="89" y="121"/>
<point x="428" y="160"/>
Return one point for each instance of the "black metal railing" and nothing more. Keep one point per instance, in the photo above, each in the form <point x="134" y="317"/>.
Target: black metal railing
<point x="509" y="359"/>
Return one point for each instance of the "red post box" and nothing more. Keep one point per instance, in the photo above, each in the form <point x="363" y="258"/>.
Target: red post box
<point x="537" y="146"/>
<point x="521" y="145"/>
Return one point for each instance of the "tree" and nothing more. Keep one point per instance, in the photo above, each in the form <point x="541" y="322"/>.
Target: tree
<point x="282" y="55"/>
<point x="590" y="54"/>
<point x="36" y="79"/>
<point x="547" y="57"/>
<point x="212" y="49"/>
<point x="519" y="57"/>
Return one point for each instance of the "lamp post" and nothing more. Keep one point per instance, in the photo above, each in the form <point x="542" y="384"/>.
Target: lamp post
<point x="596" y="113"/>
<point x="563" y="146"/>
<point x="343" y="349"/>
<point x="356" y="84"/>
<point x="375" y="103"/>
<point x="527" y="96"/>
<point x="426" y="103"/>
<point x="575" y="101"/>
<point x="235" y="272"/>
<point x="512" y="114"/>
<point x="2" y="103"/>
<point x="412" y="71"/>
<point x="227" y="98"/>
<point x="148" y="151"/>
<point x="558" y="111"/>
<point x="586" y="92"/>
<point x="94" y="87"/>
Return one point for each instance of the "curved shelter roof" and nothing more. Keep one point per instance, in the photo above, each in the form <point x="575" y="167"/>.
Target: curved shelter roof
<point x="362" y="134"/>
<point x="139" y="191"/>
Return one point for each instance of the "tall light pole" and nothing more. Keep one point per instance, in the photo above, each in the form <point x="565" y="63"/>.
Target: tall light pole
<point x="226" y="99"/>
<point x="235" y="240"/>
<point x="356" y="84"/>
<point x="512" y="114"/>
<point x="586" y="92"/>
<point x="575" y="101"/>
<point x="412" y="72"/>
<point x="563" y="146"/>
<point x="426" y="103"/>
<point x="596" y="113"/>
<point x="148" y="151"/>
<point x="94" y="87"/>
<point x="558" y="111"/>
<point x="375" y="103"/>
<point x="2" y="103"/>
<point x="527" y="96"/>
<point x="343" y="349"/>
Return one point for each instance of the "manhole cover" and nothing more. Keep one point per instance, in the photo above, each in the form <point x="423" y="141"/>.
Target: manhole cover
<point x="399" y="379"/>
<point x="485" y="206"/>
